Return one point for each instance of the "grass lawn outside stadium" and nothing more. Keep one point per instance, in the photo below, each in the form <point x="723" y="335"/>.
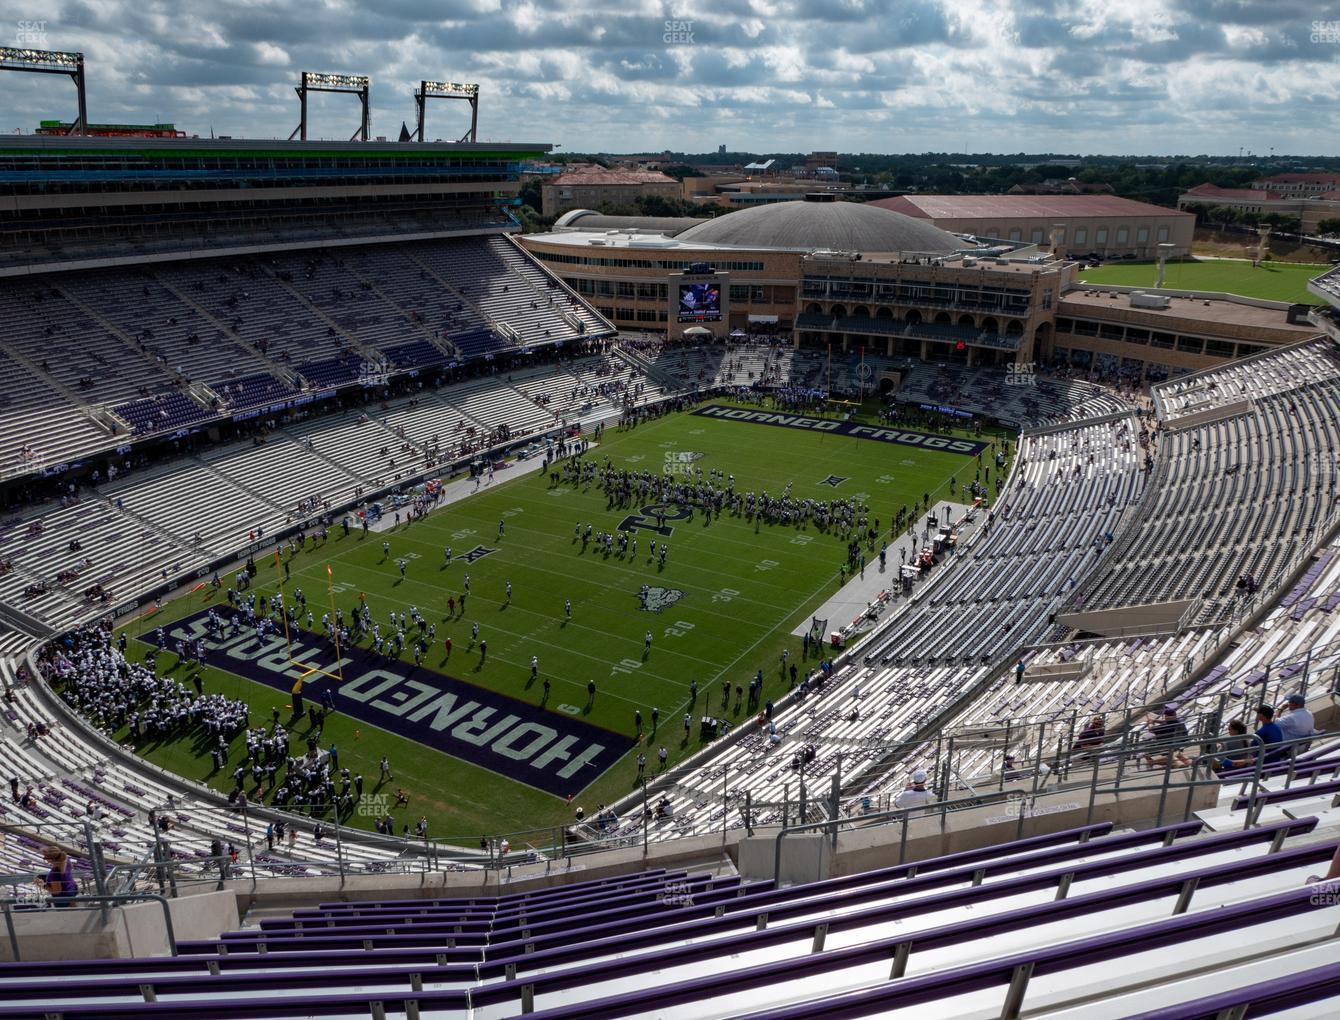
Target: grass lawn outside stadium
<point x="1273" y="281"/>
<point x="744" y="587"/>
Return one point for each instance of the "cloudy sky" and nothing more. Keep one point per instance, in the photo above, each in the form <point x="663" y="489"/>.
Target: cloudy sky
<point x="1111" y="76"/>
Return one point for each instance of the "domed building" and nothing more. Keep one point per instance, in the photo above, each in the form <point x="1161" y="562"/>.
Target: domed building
<point x="623" y="264"/>
<point x="815" y="224"/>
<point x="827" y="274"/>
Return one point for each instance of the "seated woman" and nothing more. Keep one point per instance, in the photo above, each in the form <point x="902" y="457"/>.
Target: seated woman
<point x="1236" y="748"/>
<point x="59" y="881"/>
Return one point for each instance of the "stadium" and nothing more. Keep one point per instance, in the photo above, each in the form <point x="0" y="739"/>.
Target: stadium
<point x="870" y="619"/>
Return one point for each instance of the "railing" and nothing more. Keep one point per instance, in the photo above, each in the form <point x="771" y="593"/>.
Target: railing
<point x="1111" y="773"/>
<point x="96" y="902"/>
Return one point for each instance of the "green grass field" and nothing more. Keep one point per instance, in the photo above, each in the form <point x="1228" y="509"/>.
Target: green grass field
<point x="1274" y="281"/>
<point x="746" y="586"/>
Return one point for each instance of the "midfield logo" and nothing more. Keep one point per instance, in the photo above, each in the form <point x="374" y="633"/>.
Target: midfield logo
<point x="833" y="480"/>
<point x="477" y="553"/>
<point x="653" y="518"/>
<point x="655" y="599"/>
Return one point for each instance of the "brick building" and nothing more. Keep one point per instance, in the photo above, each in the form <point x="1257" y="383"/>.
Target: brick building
<point x="592" y="186"/>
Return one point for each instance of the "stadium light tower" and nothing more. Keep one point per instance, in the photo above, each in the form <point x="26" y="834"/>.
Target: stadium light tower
<point x="51" y="62"/>
<point x="446" y="90"/>
<point x="319" y="81"/>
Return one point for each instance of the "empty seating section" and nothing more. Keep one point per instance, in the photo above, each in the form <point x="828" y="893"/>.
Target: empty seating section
<point x="169" y="330"/>
<point x="39" y="323"/>
<point x="254" y="330"/>
<point x="1243" y="495"/>
<point x="543" y="282"/>
<point x="476" y="269"/>
<point x="1295" y="647"/>
<point x="355" y="443"/>
<point x="246" y="299"/>
<point x="395" y="272"/>
<point x="1024" y="398"/>
<point x="201" y="507"/>
<point x="38" y="428"/>
<point x="289" y="477"/>
<point x="59" y="558"/>
<point x="1330" y="283"/>
<point x="495" y="406"/>
<point x="1250" y="378"/>
<point x="164" y="413"/>
<point x="1081" y="911"/>
<point x="1119" y="676"/>
<point x="330" y="283"/>
<point x="1069" y="490"/>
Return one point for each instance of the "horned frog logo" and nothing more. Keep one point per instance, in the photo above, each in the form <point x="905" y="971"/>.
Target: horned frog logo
<point x="655" y="599"/>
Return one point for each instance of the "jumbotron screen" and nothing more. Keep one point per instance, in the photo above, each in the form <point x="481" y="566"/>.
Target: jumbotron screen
<point x="700" y="302"/>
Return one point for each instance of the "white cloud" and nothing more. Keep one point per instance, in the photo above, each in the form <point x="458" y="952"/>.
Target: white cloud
<point x="1139" y="76"/>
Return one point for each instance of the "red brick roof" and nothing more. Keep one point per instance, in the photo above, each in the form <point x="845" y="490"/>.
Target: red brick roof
<point x="599" y="176"/>
<point x="1214" y="191"/>
<point x="984" y="207"/>
<point x="1303" y="179"/>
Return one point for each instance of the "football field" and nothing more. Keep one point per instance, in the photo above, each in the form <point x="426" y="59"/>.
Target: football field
<point x="477" y="743"/>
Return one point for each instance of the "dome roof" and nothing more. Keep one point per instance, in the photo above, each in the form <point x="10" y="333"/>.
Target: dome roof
<point x="809" y="225"/>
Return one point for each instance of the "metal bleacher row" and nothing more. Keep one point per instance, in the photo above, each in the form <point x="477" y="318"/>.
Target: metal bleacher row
<point x="1247" y="494"/>
<point x="1068" y="490"/>
<point x="1167" y="919"/>
<point x="150" y="350"/>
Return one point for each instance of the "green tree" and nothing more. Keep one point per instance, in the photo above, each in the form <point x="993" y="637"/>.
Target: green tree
<point x="1329" y="226"/>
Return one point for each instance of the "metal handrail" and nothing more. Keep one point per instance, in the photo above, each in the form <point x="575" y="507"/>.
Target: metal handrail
<point x="102" y="902"/>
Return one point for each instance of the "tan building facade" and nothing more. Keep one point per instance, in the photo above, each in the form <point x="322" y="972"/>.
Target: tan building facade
<point x="955" y="307"/>
<point x="591" y="187"/>
<point x="1101" y="329"/>
<point x="628" y="282"/>
<point x="1106" y="225"/>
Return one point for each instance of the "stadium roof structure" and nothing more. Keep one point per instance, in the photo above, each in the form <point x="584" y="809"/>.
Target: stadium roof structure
<point x="589" y="219"/>
<point x="1214" y="191"/>
<point x="813" y="225"/>
<point x="979" y="207"/>
<point x="40" y="144"/>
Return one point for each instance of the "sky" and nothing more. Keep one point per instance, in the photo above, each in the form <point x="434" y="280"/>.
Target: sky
<point x="1122" y="77"/>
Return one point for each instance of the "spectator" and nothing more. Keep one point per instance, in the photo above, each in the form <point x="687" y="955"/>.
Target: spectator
<point x="1090" y="737"/>
<point x="1332" y="874"/>
<point x="1295" y="721"/>
<point x="1167" y="731"/>
<point x="1236" y="748"/>
<point x="1270" y="735"/>
<point x="916" y="793"/>
<point x="59" y="881"/>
